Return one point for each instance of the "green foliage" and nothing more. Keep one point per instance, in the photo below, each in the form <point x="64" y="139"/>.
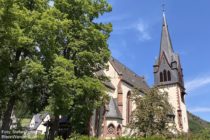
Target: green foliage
<point x="196" y="124"/>
<point x="191" y="136"/>
<point x="203" y="134"/>
<point x="140" y="138"/>
<point x="199" y="129"/>
<point x="21" y="110"/>
<point x="17" y="46"/>
<point x="79" y="137"/>
<point x="40" y="137"/>
<point x="85" y="39"/>
<point x="24" y="122"/>
<point x="151" y="114"/>
<point x="90" y="95"/>
<point x="61" y="82"/>
<point x="37" y="137"/>
<point x="184" y="137"/>
<point x="49" y="57"/>
<point x="83" y="42"/>
<point x="32" y="82"/>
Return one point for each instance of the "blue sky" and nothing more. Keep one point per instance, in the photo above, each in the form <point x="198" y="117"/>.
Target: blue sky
<point x="135" y="41"/>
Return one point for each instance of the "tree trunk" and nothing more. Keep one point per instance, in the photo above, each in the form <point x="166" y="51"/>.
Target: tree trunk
<point x="54" y="128"/>
<point x="7" y="114"/>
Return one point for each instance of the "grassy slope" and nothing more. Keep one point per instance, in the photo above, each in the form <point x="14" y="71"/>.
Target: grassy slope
<point x="196" y="124"/>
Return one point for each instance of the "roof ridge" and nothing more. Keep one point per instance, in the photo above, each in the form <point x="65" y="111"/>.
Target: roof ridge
<point x="127" y="68"/>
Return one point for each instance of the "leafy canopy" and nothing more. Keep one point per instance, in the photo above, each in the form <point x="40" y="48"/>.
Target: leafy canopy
<point x="49" y="56"/>
<point x="151" y="116"/>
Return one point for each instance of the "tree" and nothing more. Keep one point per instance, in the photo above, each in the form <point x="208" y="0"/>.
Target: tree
<point x="49" y="56"/>
<point x="84" y="42"/>
<point x="151" y="116"/>
<point x="17" y="45"/>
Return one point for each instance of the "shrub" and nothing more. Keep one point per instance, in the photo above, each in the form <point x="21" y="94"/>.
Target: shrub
<point x="141" y="138"/>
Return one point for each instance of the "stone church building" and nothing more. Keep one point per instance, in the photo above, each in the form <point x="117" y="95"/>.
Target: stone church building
<point x="110" y="120"/>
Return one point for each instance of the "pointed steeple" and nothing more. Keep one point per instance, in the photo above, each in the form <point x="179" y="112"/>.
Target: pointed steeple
<point x="167" y="68"/>
<point x="165" y="45"/>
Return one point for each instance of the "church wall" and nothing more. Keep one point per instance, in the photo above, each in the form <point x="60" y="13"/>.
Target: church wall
<point x="185" y="118"/>
<point x="184" y="111"/>
<point x="92" y="130"/>
<point x="114" y="78"/>
<point x="126" y="88"/>
<point x="174" y="96"/>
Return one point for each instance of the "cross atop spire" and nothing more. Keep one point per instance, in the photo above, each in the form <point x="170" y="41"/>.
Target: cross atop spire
<point x="163" y="6"/>
<point x="164" y="10"/>
<point x="168" y="60"/>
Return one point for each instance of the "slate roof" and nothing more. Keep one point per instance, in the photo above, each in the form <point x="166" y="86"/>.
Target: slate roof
<point x="166" y="45"/>
<point x="128" y="76"/>
<point x="166" y="49"/>
<point x="113" y="111"/>
<point x="107" y="83"/>
<point x="38" y="118"/>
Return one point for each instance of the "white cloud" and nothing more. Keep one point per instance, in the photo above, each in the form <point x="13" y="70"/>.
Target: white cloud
<point x="197" y="83"/>
<point x="142" y="28"/>
<point x="200" y="110"/>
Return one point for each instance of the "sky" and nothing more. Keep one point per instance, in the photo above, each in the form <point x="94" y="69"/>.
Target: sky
<point x="135" y="41"/>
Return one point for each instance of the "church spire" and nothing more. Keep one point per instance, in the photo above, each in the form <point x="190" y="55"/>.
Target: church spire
<point x="165" y="45"/>
<point x="168" y="76"/>
<point x="167" y="68"/>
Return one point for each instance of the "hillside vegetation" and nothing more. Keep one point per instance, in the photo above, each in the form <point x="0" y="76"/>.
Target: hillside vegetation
<point x="196" y="124"/>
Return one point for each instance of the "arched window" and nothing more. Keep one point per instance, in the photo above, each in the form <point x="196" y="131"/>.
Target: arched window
<point x="119" y="132"/>
<point x="169" y="76"/>
<point x="161" y="77"/>
<point x="165" y="75"/>
<point x="129" y="107"/>
<point x="111" y="130"/>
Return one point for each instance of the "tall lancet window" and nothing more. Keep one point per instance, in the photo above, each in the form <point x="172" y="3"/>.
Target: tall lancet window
<point x="129" y="107"/>
<point x="161" y="77"/>
<point x="165" y="75"/>
<point x="119" y="130"/>
<point x="169" y="76"/>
